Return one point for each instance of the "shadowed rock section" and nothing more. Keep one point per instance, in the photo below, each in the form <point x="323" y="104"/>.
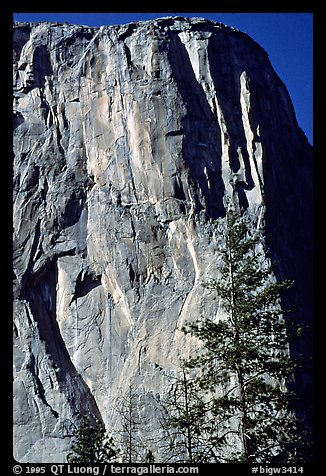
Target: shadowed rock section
<point x="126" y="140"/>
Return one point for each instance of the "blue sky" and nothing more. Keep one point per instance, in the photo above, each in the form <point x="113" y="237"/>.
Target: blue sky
<point x="287" y="38"/>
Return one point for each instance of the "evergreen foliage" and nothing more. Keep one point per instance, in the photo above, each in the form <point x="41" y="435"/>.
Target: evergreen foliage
<point x="92" y="445"/>
<point x="245" y="368"/>
<point x="185" y="425"/>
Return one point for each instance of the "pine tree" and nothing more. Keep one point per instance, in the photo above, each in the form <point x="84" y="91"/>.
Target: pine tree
<point x="245" y="367"/>
<point x="184" y="423"/>
<point x="92" y="444"/>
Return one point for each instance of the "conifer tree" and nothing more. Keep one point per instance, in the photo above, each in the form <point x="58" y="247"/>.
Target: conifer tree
<point x="92" y="445"/>
<point x="185" y="424"/>
<point x="245" y="368"/>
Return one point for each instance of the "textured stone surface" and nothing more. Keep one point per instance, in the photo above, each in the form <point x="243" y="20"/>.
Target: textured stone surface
<point x="126" y="139"/>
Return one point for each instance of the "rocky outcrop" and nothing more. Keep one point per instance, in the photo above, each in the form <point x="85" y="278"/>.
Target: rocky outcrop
<point x="126" y="141"/>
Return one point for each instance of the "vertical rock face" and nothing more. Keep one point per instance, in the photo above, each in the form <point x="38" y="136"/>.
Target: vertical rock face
<point x="126" y="140"/>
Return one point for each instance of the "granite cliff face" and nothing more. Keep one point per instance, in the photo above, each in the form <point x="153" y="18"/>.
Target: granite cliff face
<point x="126" y="140"/>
